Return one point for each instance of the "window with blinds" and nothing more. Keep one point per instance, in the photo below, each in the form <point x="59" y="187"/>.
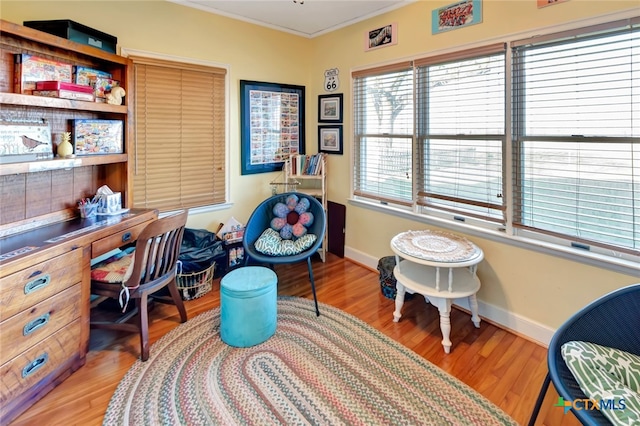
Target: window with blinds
<point x="541" y="139"/>
<point x="460" y="113"/>
<point x="576" y="134"/>
<point x="179" y="147"/>
<point x="383" y="139"/>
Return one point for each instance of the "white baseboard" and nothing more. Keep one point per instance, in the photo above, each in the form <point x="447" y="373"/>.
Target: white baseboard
<point x="518" y="324"/>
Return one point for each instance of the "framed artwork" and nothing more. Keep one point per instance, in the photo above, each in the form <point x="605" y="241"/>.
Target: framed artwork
<point x="92" y="137"/>
<point x="330" y="108"/>
<point x="25" y="141"/>
<point x="330" y="139"/>
<point x="545" y="3"/>
<point x="456" y="15"/>
<point x="272" y="125"/>
<point x="381" y="37"/>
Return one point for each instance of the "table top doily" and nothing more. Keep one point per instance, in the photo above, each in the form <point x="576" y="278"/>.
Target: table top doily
<point x="435" y="246"/>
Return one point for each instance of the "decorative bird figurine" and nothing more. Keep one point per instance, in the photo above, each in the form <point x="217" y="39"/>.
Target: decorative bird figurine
<point x="30" y="143"/>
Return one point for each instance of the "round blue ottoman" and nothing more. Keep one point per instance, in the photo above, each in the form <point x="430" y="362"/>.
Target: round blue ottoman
<point x="248" y="306"/>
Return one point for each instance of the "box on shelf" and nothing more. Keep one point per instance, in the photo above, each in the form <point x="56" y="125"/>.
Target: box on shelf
<point x="102" y="86"/>
<point x="61" y="89"/>
<point x="65" y="94"/>
<point x="30" y="69"/>
<point x="86" y="76"/>
<point x="74" y="31"/>
<point x="61" y="85"/>
<point x="96" y="136"/>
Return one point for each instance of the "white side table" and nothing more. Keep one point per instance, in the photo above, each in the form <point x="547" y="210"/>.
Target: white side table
<point x="441" y="267"/>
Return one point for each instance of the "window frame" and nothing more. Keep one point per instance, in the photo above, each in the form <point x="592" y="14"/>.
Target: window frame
<point x="548" y="244"/>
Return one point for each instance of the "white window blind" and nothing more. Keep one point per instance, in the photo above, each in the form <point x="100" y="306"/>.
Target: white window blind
<point x="461" y="132"/>
<point x="383" y="121"/>
<point x="576" y="133"/>
<point x="179" y="145"/>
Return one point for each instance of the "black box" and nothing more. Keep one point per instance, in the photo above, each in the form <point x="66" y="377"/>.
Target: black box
<point x="74" y="31"/>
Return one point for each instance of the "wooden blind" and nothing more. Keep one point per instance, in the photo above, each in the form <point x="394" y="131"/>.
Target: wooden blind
<point x="179" y="147"/>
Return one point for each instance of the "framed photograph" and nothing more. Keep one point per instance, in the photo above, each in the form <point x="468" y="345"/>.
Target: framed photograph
<point x="330" y="108"/>
<point x="92" y="137"/>
<point x="456" y="15"/>
<point x="381" y="37"/>
<point x="25" y="141"/>
<point x="272" y="125"/>
<point x="330" y="139"/>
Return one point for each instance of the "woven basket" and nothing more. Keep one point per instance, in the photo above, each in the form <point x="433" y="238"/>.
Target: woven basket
<point x="195" y="284"/>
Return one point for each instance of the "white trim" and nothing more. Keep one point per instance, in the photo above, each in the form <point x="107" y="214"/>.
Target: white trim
<point x="126" y="52"/>
<point x="612" y="263"/>
<point x="516" y="323"/>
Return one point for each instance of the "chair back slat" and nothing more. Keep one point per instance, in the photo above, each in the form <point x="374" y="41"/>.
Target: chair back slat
<point x="158" y="249"/>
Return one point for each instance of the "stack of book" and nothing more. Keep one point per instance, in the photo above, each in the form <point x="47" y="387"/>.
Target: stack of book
<point x="306" y="164"/>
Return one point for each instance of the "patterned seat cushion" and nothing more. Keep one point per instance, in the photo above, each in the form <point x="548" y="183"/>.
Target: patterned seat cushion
<point x="271" y="244"/>
<point x="609" y="376"/>
<point x="116" y="269"/>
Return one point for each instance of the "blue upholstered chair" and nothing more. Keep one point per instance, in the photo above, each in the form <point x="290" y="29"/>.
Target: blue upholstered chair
<point x="613" y="320"/>
<point x="260" y="220"/>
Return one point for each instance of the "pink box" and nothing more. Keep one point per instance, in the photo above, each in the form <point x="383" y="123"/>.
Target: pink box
<point x="61" y="85"/>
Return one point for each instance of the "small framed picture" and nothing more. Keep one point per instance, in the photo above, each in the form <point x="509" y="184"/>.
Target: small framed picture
<point x="91" y="137"/>
<point x="456" y="15"/>
<point x="330" y="108"/>
<point x="330" y="139"/>
<point x="381" y="37"/>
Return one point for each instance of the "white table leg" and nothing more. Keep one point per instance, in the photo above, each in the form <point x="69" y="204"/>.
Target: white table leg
<point x="400" y="291"/>
<point x="444" y="307"/>
<point x="473" y="304"/>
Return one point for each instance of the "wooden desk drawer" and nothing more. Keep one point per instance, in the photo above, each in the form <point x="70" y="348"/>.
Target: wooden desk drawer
<point x="116" y="240"/>
<point x="27" y="328"/>
<point x="34" y="365"/>
<point x="32" y="285"/>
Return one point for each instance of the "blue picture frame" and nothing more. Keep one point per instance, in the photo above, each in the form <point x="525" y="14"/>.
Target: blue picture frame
<point x="456" y="15"/>
<point x="272" y="125"/>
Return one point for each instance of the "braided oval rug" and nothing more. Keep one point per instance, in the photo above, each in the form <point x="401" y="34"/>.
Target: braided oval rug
<point x="328" y="370"/>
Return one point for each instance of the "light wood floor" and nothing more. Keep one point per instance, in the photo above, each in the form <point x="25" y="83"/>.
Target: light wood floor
<point x="505" y="368"/>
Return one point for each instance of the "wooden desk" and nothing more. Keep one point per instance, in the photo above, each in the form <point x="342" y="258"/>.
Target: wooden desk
<point x="45" y="283"/>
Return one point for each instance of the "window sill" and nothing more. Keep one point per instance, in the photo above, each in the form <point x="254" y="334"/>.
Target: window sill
<point x="622" y="266"/>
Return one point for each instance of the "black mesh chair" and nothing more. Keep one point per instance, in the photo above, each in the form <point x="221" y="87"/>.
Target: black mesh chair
<point x="613" y="320"/>
<point x="260" y="220"/>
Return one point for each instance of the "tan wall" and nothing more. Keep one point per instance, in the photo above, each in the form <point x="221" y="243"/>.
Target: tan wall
<point x="538" y="287"/>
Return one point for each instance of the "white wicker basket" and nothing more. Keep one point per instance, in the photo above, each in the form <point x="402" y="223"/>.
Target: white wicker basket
<point x="195" y="284"/>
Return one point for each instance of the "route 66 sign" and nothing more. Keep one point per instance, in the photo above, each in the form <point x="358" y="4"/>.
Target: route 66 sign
<point x="331" y="82"/>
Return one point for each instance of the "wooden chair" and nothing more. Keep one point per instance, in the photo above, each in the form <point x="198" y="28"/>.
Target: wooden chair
<point x="260" y="219"/>
<point x="154" y="267"/>
<point x="612" y="320"/>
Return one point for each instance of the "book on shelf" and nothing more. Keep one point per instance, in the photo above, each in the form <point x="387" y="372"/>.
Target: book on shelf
<point x="301" y="164"/>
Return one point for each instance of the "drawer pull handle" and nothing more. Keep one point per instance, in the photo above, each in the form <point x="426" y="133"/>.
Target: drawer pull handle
<point x="126" y="237"/>
<point x="37" y="323"/>
<point x="35" y="365"/>
<point x="37" y="284"/>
